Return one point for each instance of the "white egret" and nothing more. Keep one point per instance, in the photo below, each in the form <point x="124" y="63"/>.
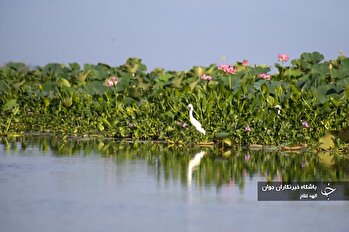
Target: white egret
<point x="195" y="122"/>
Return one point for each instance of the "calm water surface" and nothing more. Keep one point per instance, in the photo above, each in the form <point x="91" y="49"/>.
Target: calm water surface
<point x="47" y="185"/>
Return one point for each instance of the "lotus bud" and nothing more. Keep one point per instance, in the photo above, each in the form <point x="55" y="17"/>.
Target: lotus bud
<point x="199" y="71"/>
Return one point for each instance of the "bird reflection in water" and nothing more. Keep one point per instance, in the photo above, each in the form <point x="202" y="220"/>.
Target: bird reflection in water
<point x="193" y="163"/>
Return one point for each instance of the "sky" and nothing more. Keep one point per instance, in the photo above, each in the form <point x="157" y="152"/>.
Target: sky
<point x="172" y="34"/>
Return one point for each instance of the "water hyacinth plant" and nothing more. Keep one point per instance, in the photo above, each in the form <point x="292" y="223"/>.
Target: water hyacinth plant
<point x="100" y="100"/>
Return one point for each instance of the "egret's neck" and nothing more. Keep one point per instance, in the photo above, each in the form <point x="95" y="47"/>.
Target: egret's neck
<point x="191" y="112"/>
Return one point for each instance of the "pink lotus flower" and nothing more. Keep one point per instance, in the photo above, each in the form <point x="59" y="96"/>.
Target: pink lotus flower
<point x="113" y="80"/>
<point x="231" y="70"/>
<point x="248" y="129"/>
<point x="227" y="68"/>
<point x="264" y="76"/>
<point x="245" y="63"/>
<point x="223" y="67"/>
<point x="247" y="157"/>
<point x="283" y="57"/>
<point x="206" y="77"/>
<point x="109" y="83"/>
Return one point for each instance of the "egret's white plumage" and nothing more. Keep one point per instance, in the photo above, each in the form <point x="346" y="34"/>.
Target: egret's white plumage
<point x="195" y="122"/>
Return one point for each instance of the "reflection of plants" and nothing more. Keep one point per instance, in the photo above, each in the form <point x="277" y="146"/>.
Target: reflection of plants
<point x="72" y="100"/>
<point x="171" y="163"/>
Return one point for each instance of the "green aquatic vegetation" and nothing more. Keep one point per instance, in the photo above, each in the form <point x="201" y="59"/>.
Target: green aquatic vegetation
<point x="129" y="102"/>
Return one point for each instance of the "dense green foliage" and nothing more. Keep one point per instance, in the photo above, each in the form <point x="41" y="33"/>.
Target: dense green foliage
<point x="70" y="100"/>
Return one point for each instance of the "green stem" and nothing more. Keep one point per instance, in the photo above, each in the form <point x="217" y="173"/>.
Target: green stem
<point x="10" y="119"/>
<point x="230" y="82"/>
